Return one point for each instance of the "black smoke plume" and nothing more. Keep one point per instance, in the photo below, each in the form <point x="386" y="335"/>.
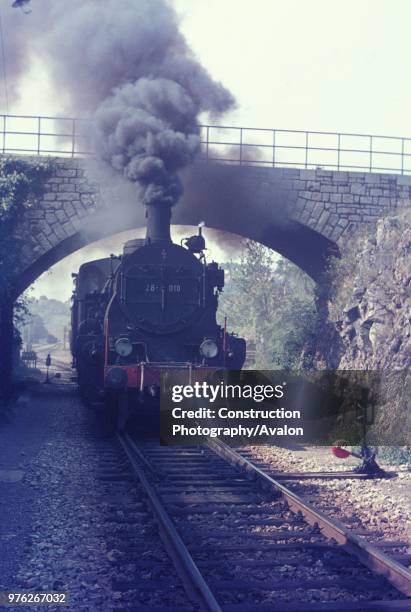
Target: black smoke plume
<point x="126" y="64"/>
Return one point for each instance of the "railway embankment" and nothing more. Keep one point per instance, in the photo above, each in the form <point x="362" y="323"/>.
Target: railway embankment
<point x="371" y="304"/>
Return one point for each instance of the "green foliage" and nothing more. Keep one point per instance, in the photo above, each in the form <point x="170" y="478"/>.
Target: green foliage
<point x="21" y="182"/>
<point x="396" y="455"/>
<point x="54" y="314"/>
<point x="271" y="304"/>
<point x="17" y="339"/>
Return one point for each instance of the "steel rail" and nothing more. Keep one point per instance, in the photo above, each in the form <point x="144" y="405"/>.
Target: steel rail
<point x="398" y="575"/>
<point x="193" y="581"/>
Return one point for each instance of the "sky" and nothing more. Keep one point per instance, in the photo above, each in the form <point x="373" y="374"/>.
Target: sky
<point x="308" y="64"/>
<point x="297" y="64"/>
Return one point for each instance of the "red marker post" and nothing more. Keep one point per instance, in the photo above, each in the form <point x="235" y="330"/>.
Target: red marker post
<point x="368" y="466"/>
<point x="342" y="453"/>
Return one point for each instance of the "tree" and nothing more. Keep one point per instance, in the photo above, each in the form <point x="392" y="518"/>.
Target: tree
<point x="21" y="182"/>
<point x="271" y="303"/>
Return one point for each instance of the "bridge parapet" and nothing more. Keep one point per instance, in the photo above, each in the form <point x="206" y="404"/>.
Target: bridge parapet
<point x="267" y="147"/>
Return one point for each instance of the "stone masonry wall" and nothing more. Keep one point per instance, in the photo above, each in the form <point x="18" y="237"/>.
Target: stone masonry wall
<point x="334" y="202"/>
<point x="331" y="203"/>
<point x="69" y="196"/>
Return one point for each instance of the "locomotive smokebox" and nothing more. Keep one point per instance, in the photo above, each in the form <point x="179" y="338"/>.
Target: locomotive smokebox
<point x="158" y="223"/>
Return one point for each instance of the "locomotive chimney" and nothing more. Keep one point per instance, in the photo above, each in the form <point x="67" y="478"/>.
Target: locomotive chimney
<point x="158" y="220"/>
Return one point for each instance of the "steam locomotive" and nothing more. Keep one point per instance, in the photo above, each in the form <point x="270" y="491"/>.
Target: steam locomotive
<point x="148" y="311"/>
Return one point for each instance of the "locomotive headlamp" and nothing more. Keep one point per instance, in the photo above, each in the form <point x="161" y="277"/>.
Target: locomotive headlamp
<point x="123" y="347"/>
<point x="208" y="348"/>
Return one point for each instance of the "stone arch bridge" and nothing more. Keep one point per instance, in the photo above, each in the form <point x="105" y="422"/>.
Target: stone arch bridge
<point x="302" y="214"/>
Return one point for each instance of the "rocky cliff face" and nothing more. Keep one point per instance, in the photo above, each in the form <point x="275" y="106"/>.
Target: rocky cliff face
<point x="375" y="326"/>
<point x="369" y="322"/>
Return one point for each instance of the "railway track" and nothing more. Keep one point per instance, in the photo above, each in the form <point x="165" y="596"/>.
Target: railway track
<point x="242" y="542"/>
<point x="326" y="491"/>
<point x="141" y="576"/>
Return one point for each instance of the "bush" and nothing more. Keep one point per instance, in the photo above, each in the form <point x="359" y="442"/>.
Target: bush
<point x="21" y="182"/>
<point x="396" y="455"/>
<point x="271" y="304"/>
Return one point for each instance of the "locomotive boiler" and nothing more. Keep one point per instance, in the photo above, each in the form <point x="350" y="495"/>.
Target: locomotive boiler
<point x="148" y="311"/>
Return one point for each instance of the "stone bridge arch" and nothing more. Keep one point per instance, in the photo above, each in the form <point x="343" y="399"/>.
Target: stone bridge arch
<point x="76" y="211"/>
<point x="302" y="214"/>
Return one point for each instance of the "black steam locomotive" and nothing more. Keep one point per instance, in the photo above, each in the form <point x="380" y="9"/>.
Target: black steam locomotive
<point x="151" y="309"/>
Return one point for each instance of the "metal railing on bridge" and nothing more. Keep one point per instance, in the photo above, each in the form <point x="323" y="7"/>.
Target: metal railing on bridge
<point x="70" y="137"/>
